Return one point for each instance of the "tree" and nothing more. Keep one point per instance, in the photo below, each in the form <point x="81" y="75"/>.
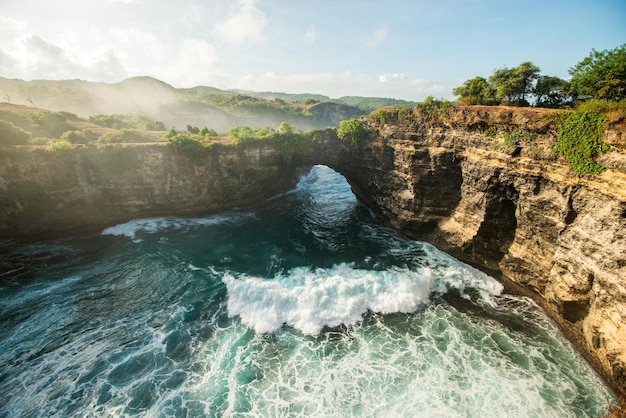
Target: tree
<point x="206" y="132"/>
<point x="476" y="91"/>
<point x="514" y="84"/>
<point x="601" y="75"/>
<point x="171" y="133"/>
<point x="286" y="129"/>
<point x="551" y="91"/>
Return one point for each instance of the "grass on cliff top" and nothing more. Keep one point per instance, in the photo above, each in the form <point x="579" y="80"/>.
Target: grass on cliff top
<point x="580" y="132"/>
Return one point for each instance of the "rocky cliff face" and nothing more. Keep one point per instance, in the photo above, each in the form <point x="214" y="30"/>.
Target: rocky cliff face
<point x="89" y="187"/>
<point x="510" y="207"/>
<point x="514" y="209"/>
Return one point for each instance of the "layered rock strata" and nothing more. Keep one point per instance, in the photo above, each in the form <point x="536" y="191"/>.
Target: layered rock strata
<point x="513" y="209"/>
<point x="89" y="188"/>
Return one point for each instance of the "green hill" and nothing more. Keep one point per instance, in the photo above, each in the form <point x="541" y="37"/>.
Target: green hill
<point x="198" y="106"/>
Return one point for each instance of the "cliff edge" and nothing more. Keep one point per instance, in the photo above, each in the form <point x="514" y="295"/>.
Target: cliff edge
<point x="485" y="185"/>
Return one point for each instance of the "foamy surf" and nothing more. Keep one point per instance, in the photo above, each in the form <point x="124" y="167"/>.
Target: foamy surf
<point x="239" y="315"/>
<point x="311" y="299"/>
<point x="154" y="225"/>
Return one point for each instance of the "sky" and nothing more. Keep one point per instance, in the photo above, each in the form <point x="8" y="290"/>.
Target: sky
<point x="404" y="49"/>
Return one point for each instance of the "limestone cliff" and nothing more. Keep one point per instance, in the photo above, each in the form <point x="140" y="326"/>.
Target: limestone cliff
<point x="90" y="187"/>
<point x="511" y="207"/>
<point x="514" y="209"/>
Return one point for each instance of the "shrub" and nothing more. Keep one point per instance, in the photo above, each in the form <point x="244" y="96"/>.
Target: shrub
<point x="433" y="108"/>
<point x="123" y="136"/>
<point x="351" y="130"/>
<point x="513" y="139"/>
<point x="186" y="145"/>
<point x="58" y="146"/>
<point x="491" y="132"/>
<point x="580" y="139"/>
<point x="50" y="124"/>
<point x="11" y="134"/>
<point x="208" y="133"/>
<point x="127" y="122"/>
<point x="75" y="137"/>
<point x="16" y="119"/>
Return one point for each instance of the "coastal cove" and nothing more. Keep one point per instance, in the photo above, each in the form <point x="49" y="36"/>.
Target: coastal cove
<point x="511" y="209"/>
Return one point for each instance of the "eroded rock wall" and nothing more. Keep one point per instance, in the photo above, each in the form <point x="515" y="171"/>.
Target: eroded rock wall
<point x="88" y="187"/>
<point x="515" y="209"/>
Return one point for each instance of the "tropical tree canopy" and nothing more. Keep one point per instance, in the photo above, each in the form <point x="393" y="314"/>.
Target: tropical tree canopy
<point x="513" y="85"/>
<point x="601" y="75"/>
<point x="476" y="91"/>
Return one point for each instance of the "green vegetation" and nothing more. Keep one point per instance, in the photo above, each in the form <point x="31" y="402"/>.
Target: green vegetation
<point x="370" y="104"/>
<point x="138" y="122"/>
<point x="476" y="91"/>
<point x="285" y="138"/>
<point x="21" y="121"/>
<point x="517" y="86"/>
<point x="513" y="85"/>
<point x="513" y="139"/>
<point x="74" y="137"/>
<point x="551" y="92"/>
<point x="580" y="139"/>
<point x="186" y="145"/>
<point x="432" y="108"/>
<point x="11" y="134"/>
<point x="124" y="136"/>
<point x="58" y="146"/>
<point x="51" y="124"/>
<point x="601" y="75"/>
<point x="351" y="130"/>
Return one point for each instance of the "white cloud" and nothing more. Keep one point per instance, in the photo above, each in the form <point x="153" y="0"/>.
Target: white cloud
<point x="376" y="38"/>
<point x="197" y="63"/>
<point x="386" y="78"/>
<point x="311" y="35"/>
<point x="245" y="23"/>
<point x="34" y="57"/>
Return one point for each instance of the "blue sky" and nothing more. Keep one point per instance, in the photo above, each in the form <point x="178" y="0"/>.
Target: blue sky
<point x="395" y="48"/>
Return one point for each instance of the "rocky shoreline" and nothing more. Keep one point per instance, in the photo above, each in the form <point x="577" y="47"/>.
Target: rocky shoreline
<point x="513" y="209"/>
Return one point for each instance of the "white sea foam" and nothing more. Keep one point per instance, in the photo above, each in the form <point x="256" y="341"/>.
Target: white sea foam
<point x="454" y="274"/>
<point x="154" y="225"/>
<point x="309" y="300"/>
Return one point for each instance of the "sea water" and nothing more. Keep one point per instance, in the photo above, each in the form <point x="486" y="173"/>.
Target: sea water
<point x="302" y="306"/>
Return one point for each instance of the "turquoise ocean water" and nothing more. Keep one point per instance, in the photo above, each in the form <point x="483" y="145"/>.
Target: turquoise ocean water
<point x="302" y="306"/>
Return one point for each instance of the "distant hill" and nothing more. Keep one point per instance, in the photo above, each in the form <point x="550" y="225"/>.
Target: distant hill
<point x="197" y="106"/>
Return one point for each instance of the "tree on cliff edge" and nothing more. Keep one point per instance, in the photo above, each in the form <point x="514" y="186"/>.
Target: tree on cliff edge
<point x="513" y="85"/>
<point x="601" y="75"/>
<point x="476" y="91"/>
